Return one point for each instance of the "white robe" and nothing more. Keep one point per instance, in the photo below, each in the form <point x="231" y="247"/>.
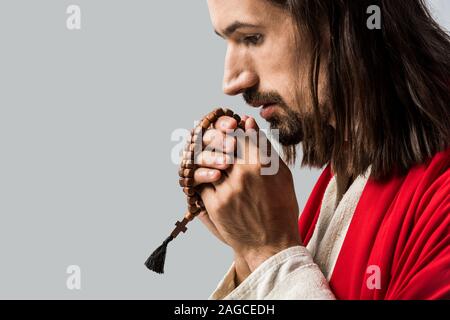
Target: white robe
<point x="301" y="272"/>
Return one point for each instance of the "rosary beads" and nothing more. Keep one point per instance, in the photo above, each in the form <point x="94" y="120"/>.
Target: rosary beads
<point x="186" y="172"/>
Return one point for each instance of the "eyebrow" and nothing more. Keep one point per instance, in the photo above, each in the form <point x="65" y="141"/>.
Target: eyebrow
<point x="232" y="28"/>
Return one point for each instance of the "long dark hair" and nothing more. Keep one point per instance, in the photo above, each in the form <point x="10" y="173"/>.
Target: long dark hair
<point x="389" y="88"/>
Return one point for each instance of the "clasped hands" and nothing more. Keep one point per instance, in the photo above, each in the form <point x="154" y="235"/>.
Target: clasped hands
<point x="255" y="214"/>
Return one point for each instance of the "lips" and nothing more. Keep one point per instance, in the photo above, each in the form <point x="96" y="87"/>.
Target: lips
<point x="267" y="107"/>
<point x="267" y="110"/>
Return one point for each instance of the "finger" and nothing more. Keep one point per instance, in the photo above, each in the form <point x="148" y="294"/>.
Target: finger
<point x="214" y="160"/>
<point x="215" y="140"/>
<point x="226" y="124"/>
<point x="204" y="175"/>
<point x="250" y="123"/>
<point x="249" y="142"/>
<point x="252" y="129"/>
<point x="262" y="146"/>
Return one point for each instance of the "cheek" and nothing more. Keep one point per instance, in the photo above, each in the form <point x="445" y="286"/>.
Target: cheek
<point x="288" y="75"/>
<point x="278" y="72"/>
<point x="293" y="84"/>
<point x="298" y="75"/>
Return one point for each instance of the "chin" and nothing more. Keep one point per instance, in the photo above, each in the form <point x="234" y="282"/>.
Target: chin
<point x="290" y="132"/>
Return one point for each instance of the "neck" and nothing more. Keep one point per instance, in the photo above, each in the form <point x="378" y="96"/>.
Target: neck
<point x="343" y="182"/>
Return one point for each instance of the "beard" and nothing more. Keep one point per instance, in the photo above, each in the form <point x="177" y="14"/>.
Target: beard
<point x="289" y="126"/>
<point x="295" y="127"/>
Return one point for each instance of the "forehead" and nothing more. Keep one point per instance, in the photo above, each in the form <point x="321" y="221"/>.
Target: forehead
<point x="256" y="12"/>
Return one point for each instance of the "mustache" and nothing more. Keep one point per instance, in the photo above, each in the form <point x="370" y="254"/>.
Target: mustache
<point x="254" y="97"/>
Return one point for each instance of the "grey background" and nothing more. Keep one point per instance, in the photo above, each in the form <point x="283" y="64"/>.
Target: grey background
<point x="86" y="119"/>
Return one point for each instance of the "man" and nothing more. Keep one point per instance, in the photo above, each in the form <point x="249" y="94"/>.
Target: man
<point x="371" y="106"/>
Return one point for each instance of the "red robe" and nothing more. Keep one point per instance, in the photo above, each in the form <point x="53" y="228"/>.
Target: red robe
<point x="400" y="226"/>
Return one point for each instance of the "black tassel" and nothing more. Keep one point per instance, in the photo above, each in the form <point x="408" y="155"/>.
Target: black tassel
<point x="157" y="259"/>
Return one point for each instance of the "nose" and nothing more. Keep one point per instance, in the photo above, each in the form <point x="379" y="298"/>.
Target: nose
<point x="238" y="73"/>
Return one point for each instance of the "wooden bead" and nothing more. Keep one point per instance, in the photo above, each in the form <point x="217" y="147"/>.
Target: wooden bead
<point x="198" y="212"/>
<point x="192" y="201"/>
<point x="205" y="124"/>
<point x="193" y="209"/>
<point x="219" y="112"/>
<point x="186" y="182"/>
<point x="199" y="203"/>
<point x="188" y="173"/>
<point x="188" y="155"/>
<point x="211" y="117"/>
<point x="189" y="191"/>
<point x="187" y="164"/>
<point x="228" y="112"/>
<point x="189" y="216"/>
<point x="189" y="147"/>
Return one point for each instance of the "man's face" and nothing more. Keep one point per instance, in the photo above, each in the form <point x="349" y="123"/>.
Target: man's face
<point x="265" y="64"/>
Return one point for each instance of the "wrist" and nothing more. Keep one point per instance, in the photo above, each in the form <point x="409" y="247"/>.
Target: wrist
<point x="255" y="257"/>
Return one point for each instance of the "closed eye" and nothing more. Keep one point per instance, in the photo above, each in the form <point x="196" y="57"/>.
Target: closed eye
<point x="253" y="40"/>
